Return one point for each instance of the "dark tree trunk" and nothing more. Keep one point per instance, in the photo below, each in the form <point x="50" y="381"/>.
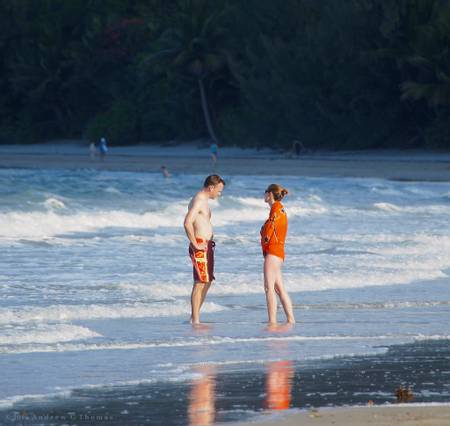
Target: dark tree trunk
<point x="206" y="111"/>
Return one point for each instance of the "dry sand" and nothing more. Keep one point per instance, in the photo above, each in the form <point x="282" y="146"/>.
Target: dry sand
<point x="437" y="415"/>
<point x="232" y="161"/>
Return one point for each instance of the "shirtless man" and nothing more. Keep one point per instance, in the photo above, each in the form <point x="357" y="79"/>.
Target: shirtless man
<point x="197" y="225"/>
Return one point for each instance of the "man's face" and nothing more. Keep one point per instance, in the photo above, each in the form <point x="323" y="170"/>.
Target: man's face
<point x="216" y="191"/>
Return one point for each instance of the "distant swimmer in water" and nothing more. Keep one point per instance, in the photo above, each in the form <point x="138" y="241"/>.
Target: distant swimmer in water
<point x="273" y="235"/>
<point x="165" y="171"/>
<point x="197" y="225"/>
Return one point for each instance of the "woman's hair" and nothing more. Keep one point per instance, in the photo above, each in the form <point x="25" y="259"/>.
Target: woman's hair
<point x="213" y="180"/>
<point x="278" y="191"/>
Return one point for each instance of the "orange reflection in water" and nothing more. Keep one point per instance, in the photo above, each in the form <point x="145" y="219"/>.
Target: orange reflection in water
<point x="202" y="397"/>
<point x="279" y="374"/>
<point x="279" y="385"/>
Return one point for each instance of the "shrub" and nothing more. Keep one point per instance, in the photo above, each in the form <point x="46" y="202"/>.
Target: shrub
<point x="437" y="135"/>
<point x="118" y="124"/>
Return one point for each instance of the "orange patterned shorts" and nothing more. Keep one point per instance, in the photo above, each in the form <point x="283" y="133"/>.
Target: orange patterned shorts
<point x="203" y="262"/>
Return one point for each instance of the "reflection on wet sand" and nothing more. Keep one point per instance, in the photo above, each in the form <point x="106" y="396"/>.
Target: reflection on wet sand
<point x="279" y="385"/>
<point x="279" y="374"/>
<point x="202" y="394"/>
<point x="201" y="409"/>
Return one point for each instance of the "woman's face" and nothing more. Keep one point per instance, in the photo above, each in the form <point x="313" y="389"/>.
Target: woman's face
<point x="268" y="197"/>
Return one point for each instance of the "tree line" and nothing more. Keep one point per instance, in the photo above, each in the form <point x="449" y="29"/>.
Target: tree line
<point x="354" y="74"/>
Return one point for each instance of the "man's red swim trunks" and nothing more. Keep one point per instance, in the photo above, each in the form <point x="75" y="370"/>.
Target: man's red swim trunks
<point x="203" y="262"/>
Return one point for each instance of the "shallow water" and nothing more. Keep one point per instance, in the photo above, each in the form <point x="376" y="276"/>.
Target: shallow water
<point x="95" y="278"/>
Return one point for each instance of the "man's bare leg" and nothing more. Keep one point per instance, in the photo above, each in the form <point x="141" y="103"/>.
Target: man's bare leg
<point x="198" y="295"/>
<point x="196" y="302"/>
<point x="205" y="289"/>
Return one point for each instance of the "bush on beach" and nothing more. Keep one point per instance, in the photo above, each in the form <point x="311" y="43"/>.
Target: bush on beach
<point x="118" y="125"/>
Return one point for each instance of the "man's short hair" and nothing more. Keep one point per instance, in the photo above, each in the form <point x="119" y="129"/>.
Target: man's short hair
<point x="213" y="180"/>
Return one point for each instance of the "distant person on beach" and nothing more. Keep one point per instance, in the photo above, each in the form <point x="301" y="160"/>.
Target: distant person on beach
<point x="214" y="148"/>
<point x="103" y="148"/>
<point x="298" y="148"/>
<point x="165" y="171"/>
<point x="92" y="150"/>
<point x="197" y="225"/>
<point x="273" y="235"/>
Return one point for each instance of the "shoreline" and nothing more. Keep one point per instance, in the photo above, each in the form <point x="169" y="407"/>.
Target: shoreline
<point x="277" y="393"/>
<point x="382" y="415"/>
<point x="190" y="159"/>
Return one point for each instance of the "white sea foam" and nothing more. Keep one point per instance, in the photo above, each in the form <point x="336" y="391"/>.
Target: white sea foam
<point x="375" y="305"/>
<point x="387" y="207"/>
<point x="249" y="201"/>
<point x="54" y="203"/>
<point x="313" y="209"/>
<point x="45" y="333"/>
<point x="213" y="341"/>
<point x="112" y="190"/>
<point x="12" y="400"/>
<point x="422" y="209"/>
<point x="59" y="220"/>
<point x="422" y="337"/>
<point x="84" y="312"/>
<point x="44" y="224"/>
<point x="38" y="224"/>
<point x="298" y="281"/>
<point x="333" y="280"/>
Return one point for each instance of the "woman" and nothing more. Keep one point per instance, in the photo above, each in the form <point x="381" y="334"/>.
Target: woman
<point x="273" y="234"/>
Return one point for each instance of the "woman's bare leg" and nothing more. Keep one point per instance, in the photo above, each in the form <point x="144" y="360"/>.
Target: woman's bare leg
<point x="284" y="297"/>
<point x="270" y="270"/>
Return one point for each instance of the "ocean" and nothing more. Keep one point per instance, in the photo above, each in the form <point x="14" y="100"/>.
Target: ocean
<point x="95" y="281"/>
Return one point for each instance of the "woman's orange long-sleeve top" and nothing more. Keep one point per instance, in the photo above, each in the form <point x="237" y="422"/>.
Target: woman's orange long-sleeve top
<point x="274" y="230"/>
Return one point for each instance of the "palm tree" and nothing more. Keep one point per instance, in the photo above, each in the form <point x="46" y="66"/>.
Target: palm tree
<point x="420" y="48"/>
<point x="430" y="60"/>
<point x="193" y="47"/>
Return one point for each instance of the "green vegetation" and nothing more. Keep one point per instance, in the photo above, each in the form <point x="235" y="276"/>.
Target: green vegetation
<point x="357" y="74"/>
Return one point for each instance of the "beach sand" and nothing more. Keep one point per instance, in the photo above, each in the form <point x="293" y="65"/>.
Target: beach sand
<point x="192" y="159"/>
<point x="438" y="415"/>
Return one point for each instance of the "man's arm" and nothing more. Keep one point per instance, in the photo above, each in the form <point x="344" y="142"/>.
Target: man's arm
<point x="189" y="220"/>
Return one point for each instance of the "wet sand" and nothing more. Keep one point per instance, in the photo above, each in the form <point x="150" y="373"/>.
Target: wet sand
<point x="261" y="394"/>
<point x="187" y="159"/>
<point x="438" y="415"/>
